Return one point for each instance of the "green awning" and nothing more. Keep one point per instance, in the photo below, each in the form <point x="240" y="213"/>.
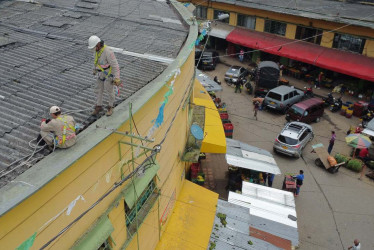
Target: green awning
<point x="96" y="236"/>
<point x="140" y="182"/>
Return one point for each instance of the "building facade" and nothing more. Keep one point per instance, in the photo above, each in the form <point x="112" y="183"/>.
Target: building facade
<point x="120" y="185"/>
<point x="312" y="33"/>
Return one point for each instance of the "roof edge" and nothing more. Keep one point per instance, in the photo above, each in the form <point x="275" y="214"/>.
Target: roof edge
<point x="36" y="177"/>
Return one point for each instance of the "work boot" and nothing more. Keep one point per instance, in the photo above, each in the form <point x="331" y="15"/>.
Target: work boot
<point x="110" y="111"/>
<point x="97" y="110"/>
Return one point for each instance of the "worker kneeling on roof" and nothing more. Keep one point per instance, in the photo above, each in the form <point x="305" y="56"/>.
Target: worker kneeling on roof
<point x="108" y="73"/>
<point x="58" y="131"/>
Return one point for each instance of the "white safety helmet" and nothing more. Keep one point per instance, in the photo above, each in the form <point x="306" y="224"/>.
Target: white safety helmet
<point x="54" y="110"/>
<point x="93" y="41"/>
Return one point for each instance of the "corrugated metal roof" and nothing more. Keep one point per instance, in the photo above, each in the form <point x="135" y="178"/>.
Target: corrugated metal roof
<point x="44" y="61"/>
<point x="269" y="214"/>
<point x="335" y="11"/>
<point x="242" y="155"/>
<point x="235" y="235"/>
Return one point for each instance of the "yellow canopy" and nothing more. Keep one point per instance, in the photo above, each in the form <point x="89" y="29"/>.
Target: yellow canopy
<point x="192" y="220"/>
<point x="214" y="136"/>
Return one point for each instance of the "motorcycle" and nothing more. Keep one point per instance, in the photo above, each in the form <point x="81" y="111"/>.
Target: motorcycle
<point x="329" y="100"/>
<point x="216" y="80"/>
<point x="338" y="103"/>
<point x="365" y="119"/>
<point x="308" y="92"/>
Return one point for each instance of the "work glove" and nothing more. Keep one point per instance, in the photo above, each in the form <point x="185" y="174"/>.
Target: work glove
<point x="94" y="72"/>
<point x="117" y="81"/>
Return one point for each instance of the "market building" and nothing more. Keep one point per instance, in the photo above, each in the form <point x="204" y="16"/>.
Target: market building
<point x="333" y="37"/>
<point x="123" y="184"/>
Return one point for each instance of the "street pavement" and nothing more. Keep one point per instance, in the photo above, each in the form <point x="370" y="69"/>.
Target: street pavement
<point x="332" y="209"/>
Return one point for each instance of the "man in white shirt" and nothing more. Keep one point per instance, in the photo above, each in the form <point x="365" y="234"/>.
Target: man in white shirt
<point x="356" y="245"/>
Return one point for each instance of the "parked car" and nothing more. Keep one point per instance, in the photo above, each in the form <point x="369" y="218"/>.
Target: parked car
<point x="234" y="73"/>
<point x="209" y="59"/>
<point x="307" y="111"/>
<point x="293" y="139"/>
<point x="282" y="97"/>
<point x="266" y="78"/>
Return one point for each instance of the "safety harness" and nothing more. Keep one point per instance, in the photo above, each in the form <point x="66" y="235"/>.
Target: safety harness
<point x="61" y="140"/>
<point x="97" y="56"/>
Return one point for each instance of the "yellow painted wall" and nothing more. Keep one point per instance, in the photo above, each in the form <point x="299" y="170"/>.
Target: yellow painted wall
<point x="327" y="39"/>
<point x="95" y="173"/>
<point x="291" y="31"/>
<point x="369" y="48"/>
<point x="260" y="24"/>
<point x="233" y="19"/>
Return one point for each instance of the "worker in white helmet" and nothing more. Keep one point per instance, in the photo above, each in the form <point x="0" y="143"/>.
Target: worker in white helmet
<point x="108" y="73"/>
<point x="58" y="131"/>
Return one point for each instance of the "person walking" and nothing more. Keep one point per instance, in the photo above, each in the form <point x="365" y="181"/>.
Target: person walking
<point x="241" y="55"/>
<point x="270" y="179"/>
<point x="256" y="106"/>
<point x="108" y="73"/>
<point x="58" y="131"/>
<point x="356" y="245"/>
<point x="238" y="86"/>
<point x="332" y="141"/>
<point x="318" y="83"/>
<point x="299" y="181"/>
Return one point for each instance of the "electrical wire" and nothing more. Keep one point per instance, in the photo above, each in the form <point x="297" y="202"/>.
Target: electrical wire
<point x="115" y="186"/>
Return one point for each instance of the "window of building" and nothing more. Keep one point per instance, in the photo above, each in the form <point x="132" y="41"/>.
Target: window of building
<point x="97" y="237"/>
<point x="137" y="212"/>
<point x="247" y="21"/>
<point x="201" y="12"/>
<point x="106" y="245"/>
<point x="348" y="42"/>
<point x="220" y="12"/>
<point x="275" y="27"/>
<point x="308" y="34"/>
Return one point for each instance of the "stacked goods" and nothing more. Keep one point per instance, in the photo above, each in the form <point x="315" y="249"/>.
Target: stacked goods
<point x="229" y="129"/>
<point x="224" y="116"/>
<point x="358" y="109"/>
<point x="349" y="113"/>
<point x="195" y="169"/>
<point x="355" y="165"/>
<point x="331" y="161"/>
<point x="342" y="158"/>
<point x="344" y="109"/>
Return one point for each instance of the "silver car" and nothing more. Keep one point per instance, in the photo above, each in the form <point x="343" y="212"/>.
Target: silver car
<point x="293" y="139"/>
<point x="282" y="97"/>
<point x="234" y="73"/>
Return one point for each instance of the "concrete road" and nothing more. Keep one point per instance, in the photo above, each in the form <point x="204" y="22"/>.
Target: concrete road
<point x="333" y="209"/>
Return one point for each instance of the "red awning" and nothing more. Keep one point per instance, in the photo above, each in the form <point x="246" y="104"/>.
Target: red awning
<point x="336" y="60"/>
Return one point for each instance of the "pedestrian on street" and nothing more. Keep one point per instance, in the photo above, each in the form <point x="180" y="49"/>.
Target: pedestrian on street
<point x="238" y="86"/>
<point x="270" y="179"/>
<point x="364" y="156"/>
<point x="356" y="245"/>
<point x="299" y="181"/>
<point x="332" y="141"/>
<point x="108" y="73"/>
<point x="241" y="55"/>
<point x="58" y="131"/>
<point x="318" y="83"/>
<point x="256" y="106"/>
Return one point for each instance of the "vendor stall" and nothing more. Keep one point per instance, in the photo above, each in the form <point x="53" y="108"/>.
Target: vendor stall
<point x="248" y="163"/>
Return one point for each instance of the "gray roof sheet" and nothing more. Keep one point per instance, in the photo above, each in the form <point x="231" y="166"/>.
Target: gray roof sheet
<point x="44" y="61"/>
<point x="335" y="11"/>
<point x="236" y="233"/>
